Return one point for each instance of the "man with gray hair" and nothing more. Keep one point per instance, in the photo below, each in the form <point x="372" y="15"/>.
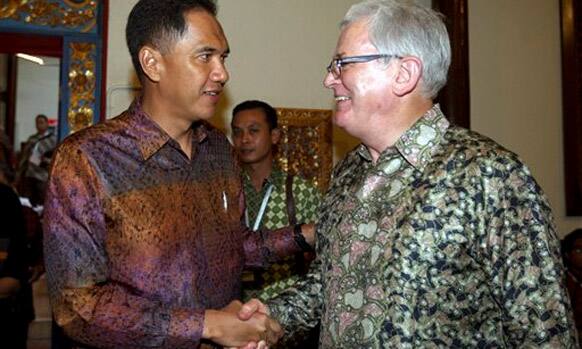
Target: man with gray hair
<point x="430" y="235"/>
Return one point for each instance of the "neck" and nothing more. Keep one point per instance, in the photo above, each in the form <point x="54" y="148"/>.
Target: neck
<point x="177" y="127"/>
<point x="391" y="127"/>
<point x="259" y="171"/>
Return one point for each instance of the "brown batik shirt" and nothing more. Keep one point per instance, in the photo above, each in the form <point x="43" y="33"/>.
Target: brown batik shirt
<point x="140" y="239"/>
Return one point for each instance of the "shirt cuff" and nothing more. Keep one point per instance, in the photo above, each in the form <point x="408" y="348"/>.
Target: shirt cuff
<point x="185" y="329"/>
<point x="281" y="243"/>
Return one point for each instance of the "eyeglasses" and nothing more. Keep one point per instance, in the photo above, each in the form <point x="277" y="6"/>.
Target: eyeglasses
<point x="335" y="67"/>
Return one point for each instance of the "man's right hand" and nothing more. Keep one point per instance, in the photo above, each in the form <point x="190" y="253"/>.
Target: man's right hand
<point x="226" y="328"/>
<point x="252" y="307"/>
<point x="245" y="312"/>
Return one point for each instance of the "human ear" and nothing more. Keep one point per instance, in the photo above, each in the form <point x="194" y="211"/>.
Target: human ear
<point x="408" y="75"/>
<point x="150" y="60"/>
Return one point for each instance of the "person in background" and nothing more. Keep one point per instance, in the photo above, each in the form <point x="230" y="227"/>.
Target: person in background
<point x="16" y="307"/>
<point x="32" y="172"/>
<point x="572" y="253"/>
<point x="430" y="235"/>
<point x="143" y="239"/>
<point x="274" y="199"/>
<point x="6" y="154"/>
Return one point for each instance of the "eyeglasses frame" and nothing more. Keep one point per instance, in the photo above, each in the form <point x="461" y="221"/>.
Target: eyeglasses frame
<point x="339" y="62"/>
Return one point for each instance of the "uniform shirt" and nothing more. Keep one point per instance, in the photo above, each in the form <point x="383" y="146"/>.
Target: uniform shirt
<point x="446" y="241"/>
<point x="140" y="239"/>
<point x="306" y="198"/>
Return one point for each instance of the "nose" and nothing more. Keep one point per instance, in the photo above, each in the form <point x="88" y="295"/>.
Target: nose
<point x="329" y="80"/>
<point x="219" y="73"/>
<point x="245" y="137"/>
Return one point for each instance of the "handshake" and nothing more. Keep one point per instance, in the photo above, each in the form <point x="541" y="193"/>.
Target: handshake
<point x="238" y="325"/>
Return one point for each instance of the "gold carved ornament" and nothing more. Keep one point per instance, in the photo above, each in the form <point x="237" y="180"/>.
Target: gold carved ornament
<point x="82" y="84"/>
<point x="69" y="13"/>
<point x="306" y="144"/>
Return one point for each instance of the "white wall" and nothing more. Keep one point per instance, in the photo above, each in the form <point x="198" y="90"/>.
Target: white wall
<point x="516" y="91"/>
<point x="281" y="47"/>
<point x="37" y="92"/>
<point x="279" y="51"/>
<point x="120" y="75"/>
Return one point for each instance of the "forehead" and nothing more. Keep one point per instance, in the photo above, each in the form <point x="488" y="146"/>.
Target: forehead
<point x="250" y="116"/>
<point x="354" y="38"/>
<point x="203" y="29"/>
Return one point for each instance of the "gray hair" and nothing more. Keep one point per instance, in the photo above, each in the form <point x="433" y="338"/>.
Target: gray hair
<point x="407" y="29"/>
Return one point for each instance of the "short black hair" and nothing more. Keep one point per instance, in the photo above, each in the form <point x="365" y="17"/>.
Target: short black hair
<point x="41" y="116"/>
<point x="159" y="23"/>
<point x="270" y="112"/>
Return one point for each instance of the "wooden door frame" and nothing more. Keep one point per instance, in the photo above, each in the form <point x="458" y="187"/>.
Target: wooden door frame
<point x="455" y="97"/>
<point x="81" y="27"/>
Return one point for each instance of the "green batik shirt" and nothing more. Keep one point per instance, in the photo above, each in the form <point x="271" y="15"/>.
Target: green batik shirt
<point x="446" y="242"/>
<point x="306" y="197"/>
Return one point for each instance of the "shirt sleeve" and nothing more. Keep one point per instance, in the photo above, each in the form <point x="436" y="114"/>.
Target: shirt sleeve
<point x="92" y="308"/>
<point x="524" y="262"/>
<point x="264" y="247"/>
<point x="299" y="307"/>
<point x="308" y="200"/>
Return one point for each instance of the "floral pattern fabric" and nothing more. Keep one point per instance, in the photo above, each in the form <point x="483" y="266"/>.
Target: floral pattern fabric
<point x="446" y="241"/>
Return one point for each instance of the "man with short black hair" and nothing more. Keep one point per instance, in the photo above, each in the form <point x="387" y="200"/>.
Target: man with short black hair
<point x="144" y="244"/>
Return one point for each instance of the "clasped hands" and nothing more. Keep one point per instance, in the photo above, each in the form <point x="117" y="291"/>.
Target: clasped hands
<point x="245" y="326"/>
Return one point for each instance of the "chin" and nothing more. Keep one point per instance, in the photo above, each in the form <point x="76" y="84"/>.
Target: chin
<point x="247" y="162"/>
<point x="340" y="119"/>
<point x="204" y="114"/>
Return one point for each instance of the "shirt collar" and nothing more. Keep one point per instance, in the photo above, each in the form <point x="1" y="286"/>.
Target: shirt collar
<point x="418" y="144"/>
<point x="149" y="135"/>
<point x="276" y="178"/>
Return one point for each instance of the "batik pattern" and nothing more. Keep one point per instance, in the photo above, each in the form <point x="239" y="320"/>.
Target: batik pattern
<point x="140" y="239"/>
<point x="446" y="241"/>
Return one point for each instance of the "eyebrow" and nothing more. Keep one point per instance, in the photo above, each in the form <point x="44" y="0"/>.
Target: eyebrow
<point x="211" y="49"/>
<point x="250" y="125"/>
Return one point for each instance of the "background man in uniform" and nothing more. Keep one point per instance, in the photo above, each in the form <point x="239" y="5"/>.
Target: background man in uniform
<point x="274" y="199"/>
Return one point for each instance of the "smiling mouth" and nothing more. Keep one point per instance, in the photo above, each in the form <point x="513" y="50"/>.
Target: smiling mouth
<point x="212" y="93"/>
<point x="342" y="98"/>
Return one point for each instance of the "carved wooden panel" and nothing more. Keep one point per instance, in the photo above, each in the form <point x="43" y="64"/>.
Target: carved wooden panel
<point x="64" y="15"/>
<point x="81" y="27"/>
<point x="306" y="144"/>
